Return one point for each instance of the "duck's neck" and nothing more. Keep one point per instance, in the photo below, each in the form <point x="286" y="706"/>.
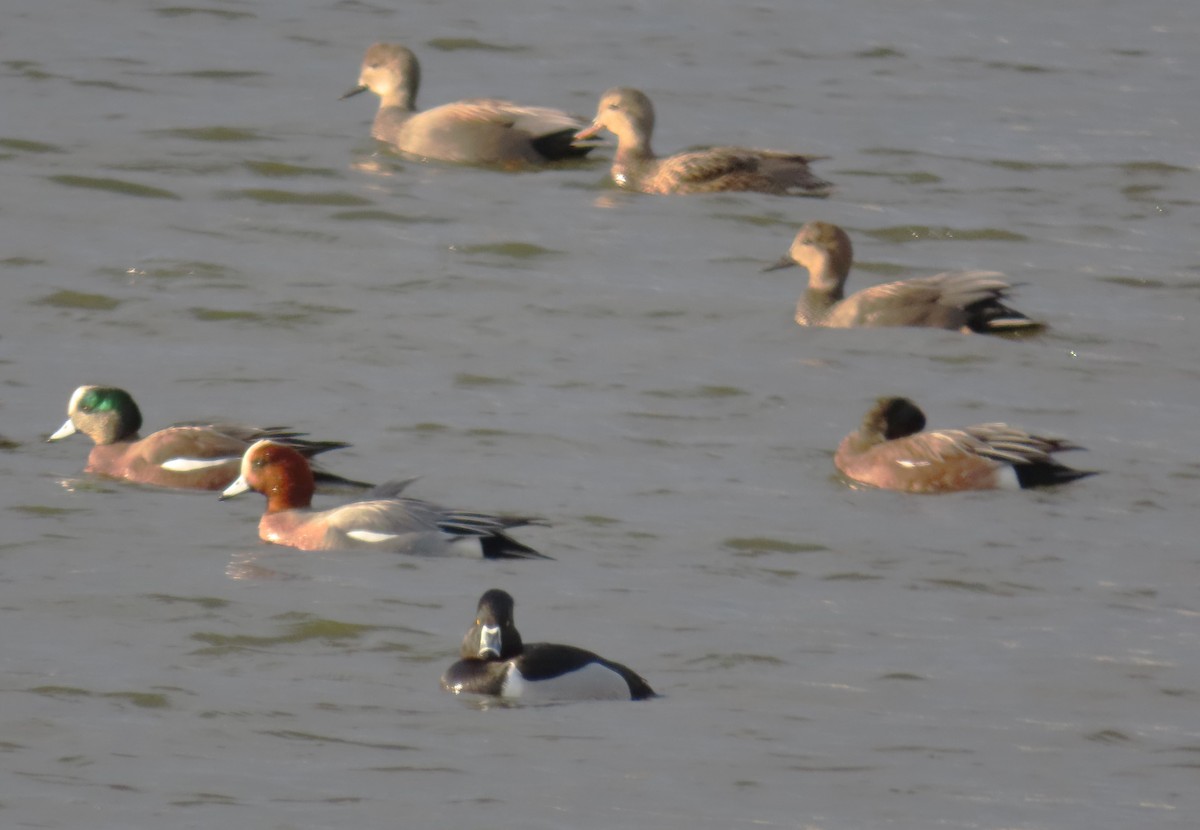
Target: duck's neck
<point x="290" y="494"/>
<point x="815" y="304"/>
<point x="861" y="440"/>
<point x="388" y="123"/>
<point x="825" y="287"/>
<point x="631" y="161"/>
<point x="127" y="438"/>
<point x="633" y="149"/>
<point x="402" y="96"/>
<point x="825" y="277"/>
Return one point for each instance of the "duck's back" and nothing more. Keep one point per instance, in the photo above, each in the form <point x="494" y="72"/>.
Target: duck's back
<point x="726" y="169"/>
<point x="481" y="131"/>
<point x="954" y="301"/>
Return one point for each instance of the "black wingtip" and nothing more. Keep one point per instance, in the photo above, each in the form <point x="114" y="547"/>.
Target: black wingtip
<point x="562" y="146"/>
<point x="1048" y="474"/>
<point x="993" y="317"/>
<point x="332" y="483"/>
<point x="501" y="546"/>
<point x="641" y="690"/>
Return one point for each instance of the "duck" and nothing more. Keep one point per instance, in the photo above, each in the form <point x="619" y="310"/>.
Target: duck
<point x="628" y="114"/>
<point x="966" y="301"/>
<point x="496" y="662"/>
<point x="481" y="131"/>
<point x="192" y="455"/>
<point x="382" y="520"/>
<point x="890" y="451"/>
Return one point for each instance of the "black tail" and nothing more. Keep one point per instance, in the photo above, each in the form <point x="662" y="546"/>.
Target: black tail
<point x="639" y="689"/>
<point x="991" y="316"/>
<point x="331" y="483"/>
<point x="502" y="546"/>
<point x="1048" y="474"/>
<point x="289" y="438"/>
<point x="310" y="448"/>
<point x="562" y="145"/>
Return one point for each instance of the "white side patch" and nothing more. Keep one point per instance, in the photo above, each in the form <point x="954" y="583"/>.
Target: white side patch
<point x="1006" y="478"/>
<point x="187" y="465"/>
<point x="592" y="682"/>
<point x="464" y="546"/>
<point x="373" y="537"/>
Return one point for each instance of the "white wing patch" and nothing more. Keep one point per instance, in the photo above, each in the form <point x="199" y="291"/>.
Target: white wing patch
<point x="1006" y="478"/>
<point x="187" y="465"/>
<point x="373" y="537"/>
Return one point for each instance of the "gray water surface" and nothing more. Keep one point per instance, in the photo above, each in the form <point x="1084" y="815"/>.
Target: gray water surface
<point x="190" y="212"/>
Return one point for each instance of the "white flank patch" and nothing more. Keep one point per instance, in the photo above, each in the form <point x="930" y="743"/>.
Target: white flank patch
<point x="1010" y="323"/>
<point x="372" y="537"/>
<point x="1006" y="478"/>
<point x="464" y="546"/>
<point x="187" y="465"/>
<point x="592" y="682"/>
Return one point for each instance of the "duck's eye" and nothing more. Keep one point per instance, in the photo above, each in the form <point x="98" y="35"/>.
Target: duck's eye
<point x="614" y="106"/>
<point x="258" y="463"/>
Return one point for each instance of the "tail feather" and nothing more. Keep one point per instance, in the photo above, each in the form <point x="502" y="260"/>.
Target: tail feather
<point x="562" y="145"/>
<point x="1048" y="474"/>
<point x="328" y="482"/>
<point x="993" y="316"/>
<point x="502" y="546"/>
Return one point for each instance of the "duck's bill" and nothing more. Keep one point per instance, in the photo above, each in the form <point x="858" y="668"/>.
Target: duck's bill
<point x="489" y="640"/>
<point x="588" y="132"/>
<point x="350" y="93"/>
<point x="786" y="262"/>
<point x="63" y="431"/>
<point x="238" y="487"/>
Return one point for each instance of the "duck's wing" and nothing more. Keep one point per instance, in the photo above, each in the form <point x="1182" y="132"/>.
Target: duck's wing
<point x="704" y="167"/>
<point x="939" y="301"/>
<point x="1013" y="445"/>
<point x="423" y="527"/>
<point x="738" y="169"/>
<point x="536" y="121"/>
<point x="247" y="434"/>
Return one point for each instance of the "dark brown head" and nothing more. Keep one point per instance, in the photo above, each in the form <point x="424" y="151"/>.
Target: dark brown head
<point x="894" y="418"/>
<point x="494" y="635"/>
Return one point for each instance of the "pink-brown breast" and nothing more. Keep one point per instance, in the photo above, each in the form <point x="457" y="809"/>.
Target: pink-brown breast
<point x="300" y="529"/>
